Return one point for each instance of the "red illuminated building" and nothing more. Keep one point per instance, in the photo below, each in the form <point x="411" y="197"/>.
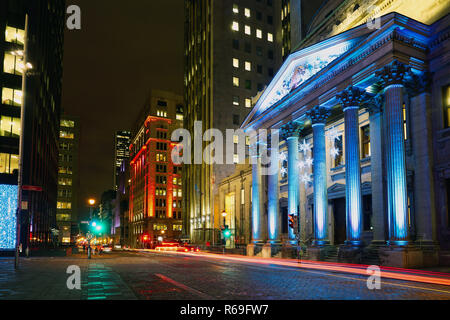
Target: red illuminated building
<point x="155" y="182"/>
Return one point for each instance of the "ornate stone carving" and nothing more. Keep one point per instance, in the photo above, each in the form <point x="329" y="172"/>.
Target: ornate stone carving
<point x="351" y="97"/>
<point x="318" y="114"/>
<point x="374" y="104"/>
<point x="393" y="73"/>
<point x="418" y="84"/>
<point x="291" y="129"/>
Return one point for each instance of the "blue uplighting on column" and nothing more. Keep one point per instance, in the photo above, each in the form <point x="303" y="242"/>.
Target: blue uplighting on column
<point x="293" y="179"/>
<point x="352" y="175"/>
<point x="350" y="100"/>
<point x="273" y="211"/>
<point x="318" y="117"/>
<point x="256" y="187"/>
<point x="8" y="207"/>
<point x="320" y="183"/>
<point x="392" y="77"/>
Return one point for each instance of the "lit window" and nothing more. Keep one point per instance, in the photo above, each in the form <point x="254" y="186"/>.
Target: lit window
<point x="365" y="142"/>
<point x="66" y="135"/>
<point x="8" y="163"/>
<point x="236" y="139"/>
<point x="247" y="140"/>
<point x="235" y="158"/>
<point x="248" y="103"/>
<point x="235" y="62"/>
<point x="248" y="66"/>
<point x="180" y="117"/>
<point x="242" y="196"/>
<point x="248" y="30"/>
<point x="446" y="106"/>
<point x="235" y="8"/>
<point x="235" y="100"/>
<point x="269" y="37"/>
<point x="64" y="205"/>
<point x="236" y="81"/>
<point x="11" y="97"/>
<point x="14" y="35"/>
<point x="247" y="12"/>
<point x="235" y="26"/>
<point x="10" y="127"/>
<point x="258" y="33"/>
<point x="13" y="64"/>
<point x="67" y="123"/>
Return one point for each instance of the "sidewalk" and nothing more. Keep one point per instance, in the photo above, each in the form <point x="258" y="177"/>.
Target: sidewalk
<point x="46" y="279"/>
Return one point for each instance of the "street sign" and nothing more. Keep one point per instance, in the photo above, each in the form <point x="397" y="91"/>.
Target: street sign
<point x="32" y="188"/>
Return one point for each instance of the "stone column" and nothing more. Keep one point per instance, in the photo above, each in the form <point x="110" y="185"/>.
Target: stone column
<point x="318" y="116"/>
<point x="376" y="166"/>
<point x="291" y="133"/>
<point x="350" y="100"/>
<point x="420" y="109"/>
<point x="257" y="204"/>
<point x="392" y="77"/>
<point x="273" y="215"/>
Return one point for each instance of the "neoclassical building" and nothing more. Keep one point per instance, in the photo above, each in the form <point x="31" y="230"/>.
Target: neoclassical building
<point x="365" y="144"/>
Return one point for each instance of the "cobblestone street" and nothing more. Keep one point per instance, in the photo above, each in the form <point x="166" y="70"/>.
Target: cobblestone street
<point x="154" y="276"/>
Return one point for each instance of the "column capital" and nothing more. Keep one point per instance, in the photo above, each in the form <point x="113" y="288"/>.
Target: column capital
<point x="375" y="104"/>
<point x="318" y="114"/>
<point x="418" y="84"/>
<point x="352" y="97"/>
<point x="393" y="73"/>
<point x="291" y="129"/>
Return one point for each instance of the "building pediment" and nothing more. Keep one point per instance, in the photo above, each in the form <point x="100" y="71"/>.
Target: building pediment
<point x="311" y="67"/>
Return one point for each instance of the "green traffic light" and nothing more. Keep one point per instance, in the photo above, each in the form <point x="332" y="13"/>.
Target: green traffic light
<point x="227" y="233"/>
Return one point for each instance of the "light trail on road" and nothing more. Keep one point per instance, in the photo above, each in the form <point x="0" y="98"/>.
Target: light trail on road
<point x="386" y="272"/>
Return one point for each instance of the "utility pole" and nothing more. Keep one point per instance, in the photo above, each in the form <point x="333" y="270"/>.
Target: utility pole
<point x="21" y="147"/>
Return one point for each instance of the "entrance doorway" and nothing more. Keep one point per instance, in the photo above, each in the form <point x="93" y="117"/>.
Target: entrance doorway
<point x="340" y="231"/>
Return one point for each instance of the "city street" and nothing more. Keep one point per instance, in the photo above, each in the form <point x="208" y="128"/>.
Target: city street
<point x="170" y="276"/>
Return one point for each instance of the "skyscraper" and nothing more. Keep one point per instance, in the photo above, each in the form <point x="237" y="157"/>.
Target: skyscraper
<point x="42" y="101"/>
<point x="231" y="53"/>
<point x="68" y="179"/>
<point x="296" y="15"/>
<point x="121" y="152"/>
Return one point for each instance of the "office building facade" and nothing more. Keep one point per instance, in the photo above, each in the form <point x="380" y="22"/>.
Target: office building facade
<point x="231" y="54"/>
<point x="42" y="98"/>
<point x="68" y="179"/>
<point x="156" y="193"/>
<point x="121" y="153"/>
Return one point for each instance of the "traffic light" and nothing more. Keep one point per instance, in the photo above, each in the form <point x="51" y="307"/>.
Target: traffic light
<point x="226" y="232"/>
<point x="291" y="221"/>
<point x="145" y="237"/>
<point x="96" y="227"/>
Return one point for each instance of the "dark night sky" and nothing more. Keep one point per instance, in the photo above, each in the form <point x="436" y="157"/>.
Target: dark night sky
<point x="123" y="49"/>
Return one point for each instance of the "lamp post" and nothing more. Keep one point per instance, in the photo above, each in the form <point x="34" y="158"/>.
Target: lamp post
<point x="21" y="148"/>
<point x="224" y="241"/>
<point x="91" y="202"/>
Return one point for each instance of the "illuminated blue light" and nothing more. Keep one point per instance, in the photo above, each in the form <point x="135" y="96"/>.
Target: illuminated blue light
<point x="256" y="182"/>
<point x="293" y="181"/>
<point x="320" y="184"/>
<point x="8" y="206"/>
<point x="273" y="211"/>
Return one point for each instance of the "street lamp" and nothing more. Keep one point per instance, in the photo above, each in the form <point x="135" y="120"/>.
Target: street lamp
<point x="91" y="202"/>
<point x="224" y="215"/>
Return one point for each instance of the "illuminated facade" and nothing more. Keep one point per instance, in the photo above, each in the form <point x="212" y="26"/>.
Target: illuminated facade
<point x="363" y="115"/>
<point x="68" y="179"/>
<point x="155" y="182"/>
<point x="232" y="51"/>
<point x="42" y="98"/>
<point x="121" y="153"/>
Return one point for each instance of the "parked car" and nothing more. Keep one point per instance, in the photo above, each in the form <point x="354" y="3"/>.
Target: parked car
<point x="106" y="248"/>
